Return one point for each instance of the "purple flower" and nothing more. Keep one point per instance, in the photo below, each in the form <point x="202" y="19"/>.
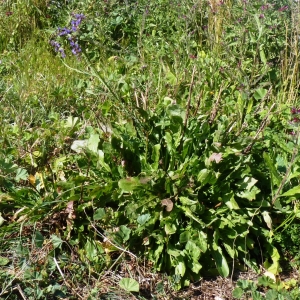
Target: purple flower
<point x="64" y="31"/>
<point x="75" y="48"/>
<point x="69" y="33"/>
<point x="264" y="7"/>
<point x="58" y="48"/>
<point x="283" y="8"/>
<point x="295" y="110"/>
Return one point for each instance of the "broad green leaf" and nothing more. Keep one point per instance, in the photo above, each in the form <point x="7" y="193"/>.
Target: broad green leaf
<point x="237" y="293"/>
<point x="262" y="55"/>
<point x="189" y="214"/>
<point x="4" y="261"/>
<point x="99" y="214"/>
<point x="124" y="233"/>
<point x="180" y="269"/>
<point x="260" y="27"/>
<point x="71" y="122"/>
<point x="170" y="228"/>
<point x="184" y="237"/>
<point x="204" y="176"/>
<point x="292" y="192"/>
<point x="276" y="179"/>
<point x="155" y="157"/>
<point x="2" y="220"/>
<point x="229" y="247"/>
<point x="247" y="183"/>
<point x="266" y="281"/>
<point x="281" y="164"/>
<point x="287" y="147"/>
<point x="173" y="252"/>
<point x="169" y="141"/>
<point x="244" y="284"/>
<point x="171" y="78"/>
<point x="251" y="264"/>
<point x="193" y="250"/>
<point x="257" y="296"/>
<point x="93" y="142"/>
<point x="196" y="267"/>
<point x="175" y="110"/>
<point x="59" y="163"/>
<point x="249" y="242"/>
<point x="274" y="267"/>
<point x="271" y="295"/>
<point x="230" y="201"/>
<point x="129" y="184"/>
<point x="202" y="241"/>
<point x="101" y="161"/>
<point x="267" y="219"/>
<point x="79" y="145"/>
<point x="250" y="195"/>
<point x="91" y="251"/>
<point x="260" y="93"/>
<point x="129" y="285"/>
<point x="143" y="219"/>
<point x="221" y="262"/>
<point x="229" y="232"/>
<point x="39" y="239"/>
<point x="156" y="255"/>
<point x="187" y="201"/>
<point x="167" y="101"/>
<point x="56" y="241"/>
<point x="186" y="147"/>
<point x="21" y="174"/>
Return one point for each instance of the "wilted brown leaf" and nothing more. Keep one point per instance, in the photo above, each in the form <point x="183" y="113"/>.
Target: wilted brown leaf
<point x="168" y="204"/>
<point x="217" y="157"/>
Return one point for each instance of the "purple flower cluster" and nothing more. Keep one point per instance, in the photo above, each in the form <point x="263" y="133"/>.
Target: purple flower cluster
<point x="295" y="111"/>
<point x="265" y="7"/>
<point x="283" y="8"/>
<point x="70" y="33"/>
<point x="77" y="21"/>
<point x="58" y="48"/>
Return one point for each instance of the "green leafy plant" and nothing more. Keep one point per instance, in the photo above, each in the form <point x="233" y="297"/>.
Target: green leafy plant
<point x="265" y="288"/>
<point x="152" y="145"/>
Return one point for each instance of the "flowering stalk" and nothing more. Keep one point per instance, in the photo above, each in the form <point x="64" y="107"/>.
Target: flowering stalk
<point x="70" y="33"/>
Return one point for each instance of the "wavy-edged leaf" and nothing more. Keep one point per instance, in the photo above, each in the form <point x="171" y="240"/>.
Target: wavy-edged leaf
<point x="143" y="219"/>
<point x="129" y="285"/>
<point x="292" y="192"/>
<point x="39" y="239"/>
<point x="21" y="174"/>
<point x="129" y="184"/>
<point x="221" y="262"/>
<point x="93" y="142"/>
